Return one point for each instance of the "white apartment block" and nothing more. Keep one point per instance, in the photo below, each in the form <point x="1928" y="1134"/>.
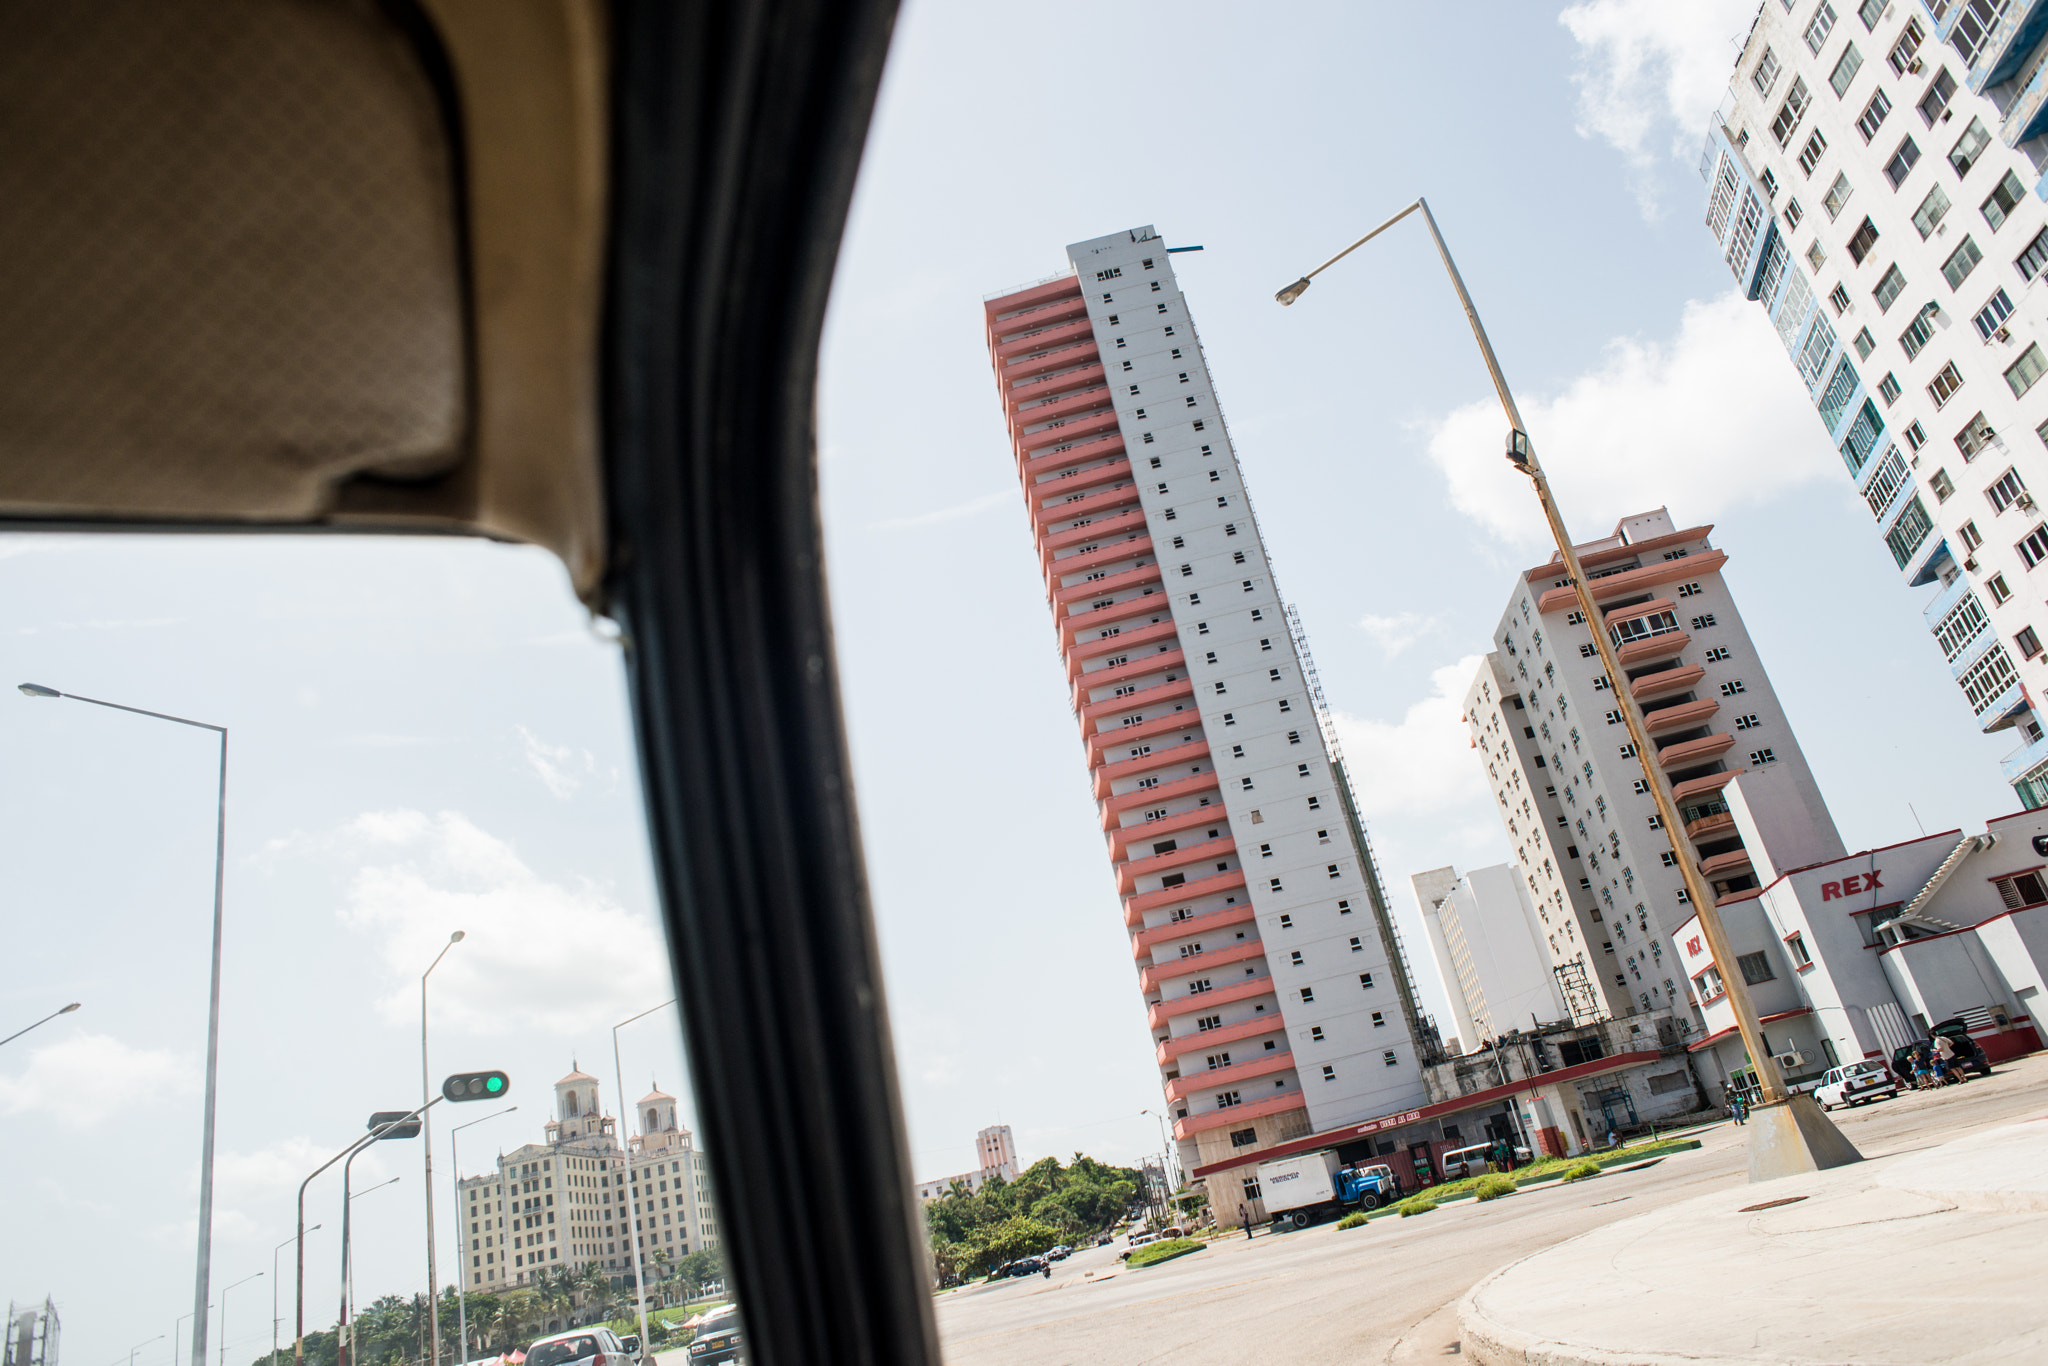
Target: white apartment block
<point x="1488" y="944"/>
<point x="1261" y="941"/>
<point x="1874" y="183"/>
<point x="569" y="1198"/>
<point x="1589" y="845"/>
<point x="996" y="1146"/>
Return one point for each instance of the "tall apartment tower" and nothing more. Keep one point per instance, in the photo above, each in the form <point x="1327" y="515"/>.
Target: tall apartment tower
<point x="1488" y="944"/>
<point x="1261" y="939"/>
<point x="1874" y="182"/>
<point x="1588" y="842"/>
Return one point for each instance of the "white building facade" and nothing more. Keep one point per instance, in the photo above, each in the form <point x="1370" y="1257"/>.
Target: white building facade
<point x="1589" y="845"/>
<point x="1856" y="957"/>
<point x="1874" y="183"/>
<point x="1488" y="944"/>
<point x="568" y="1199"/>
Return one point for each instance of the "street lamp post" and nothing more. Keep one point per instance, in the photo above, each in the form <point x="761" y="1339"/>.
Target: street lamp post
<point x="1794" y="1136"/>
<point x="139" y="1346"/>
<point x="632" y="1186"/>
<point x="1165" y="1169"/>
<point x="299" y="1293"/>
<point x="224" y="1315"/>
<point x="203" y="1274"/>
<point x="427" y="1150"/>
<point x="66" y="1010"/>
<point x="455" y="1188"/>
<point x="175" y="1330"/>
<point x="348" y="1262"/>
<point x="275" y="1321"/>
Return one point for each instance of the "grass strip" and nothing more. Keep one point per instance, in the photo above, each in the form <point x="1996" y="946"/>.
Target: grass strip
<point x="1163" y="1251"/>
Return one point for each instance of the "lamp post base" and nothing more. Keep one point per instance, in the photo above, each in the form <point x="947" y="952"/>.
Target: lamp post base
<point x="1791" y="1136"/>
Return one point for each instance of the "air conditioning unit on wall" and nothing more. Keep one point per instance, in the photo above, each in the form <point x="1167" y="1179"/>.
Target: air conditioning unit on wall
<point x="1788" y="1061"/>
<point x="2024" y="501"/>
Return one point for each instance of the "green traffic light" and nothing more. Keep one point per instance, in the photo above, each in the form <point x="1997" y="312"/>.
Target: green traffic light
<point x="495" y="1085"/>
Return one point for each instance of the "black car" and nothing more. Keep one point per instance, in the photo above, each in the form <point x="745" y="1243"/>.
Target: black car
<point x="1967" y="1049"/>
<point x="718" y="1338"/>
<point x="1967" y="1053"/>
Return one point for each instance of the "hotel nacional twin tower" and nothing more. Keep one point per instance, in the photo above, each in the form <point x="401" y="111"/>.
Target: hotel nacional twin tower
<point x="1259" y="933"/>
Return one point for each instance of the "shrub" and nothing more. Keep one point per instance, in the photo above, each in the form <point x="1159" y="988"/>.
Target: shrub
<point x="1415" y="1204"/>
<point x="1353" y="1219"/>
<point x="1579" y="1171"/>
<point x="1494" y="1187"/>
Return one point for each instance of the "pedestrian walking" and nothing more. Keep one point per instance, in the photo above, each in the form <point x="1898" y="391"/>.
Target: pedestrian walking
<point x="1244" y="1217"/>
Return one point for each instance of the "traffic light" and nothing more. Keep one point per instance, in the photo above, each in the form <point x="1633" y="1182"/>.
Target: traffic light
<point x="476" y="1086"/>
<point x="409" y="1129"/>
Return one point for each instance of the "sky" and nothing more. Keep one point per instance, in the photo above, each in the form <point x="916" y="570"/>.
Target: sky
<point x="432" y="736"/>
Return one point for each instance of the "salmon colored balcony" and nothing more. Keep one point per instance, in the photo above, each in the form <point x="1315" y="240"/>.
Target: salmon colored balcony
<point x="1059" y="287"/>
<point x="1094" y="531"/>
<point x="1130" y="578"/>
<point x="1671" y="680"/>
<point x="1632" y="580"/>
<point x="1045" y="362"/>
<point x="1035" y="391"/>
<point x="1261" y="1064"/>
<point x="1236" y="951"/>
<point x="1071" y="430"/>
<point x="1655" y="647"/>
<point x="1161" y="757"/>
<point x="1078" y="453"/>
<point x="1694" y="751"/>
<point x="1171" y="1048"/>
<point x="1088" y="504"/>
<point x="1098" y="648"/>
<point x="1708" y="827"/>
<point x="1681" y="716"/>
<point x="1139" y="664"/>
<point x="1156" y="695"/>
<point x="1049" y="333"/>
<point x="1279" y="1102"/>
<point x="1143" y="940"/>
<point x="1246" y="989"/>
<point x="1194" y="783"/>
<point x="1639" y="609"/>
<point x="1128" y="873"/>
<point x="1092" y="621"/>
<point x="1065" y="405"/>
<point x="1087" y="560"/>
<point x="1102" y="744"/>
<point x="1699" y="787"/>
<point x="1719" y="864"/>
<point x="1124" y="837"/>
<point x="1136" y="906"/>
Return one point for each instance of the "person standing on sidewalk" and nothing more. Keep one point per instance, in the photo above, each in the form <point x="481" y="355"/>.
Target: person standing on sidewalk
<point x="1244" y="1217"/>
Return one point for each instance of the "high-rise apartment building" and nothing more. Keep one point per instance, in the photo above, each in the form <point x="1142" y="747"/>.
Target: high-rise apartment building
<point x="1874" y="182"/>
<point x="1589" y="844"/>
<point x="1261" y="940"/>
<point x="997" y="1148"/>
<point x="567" y="1199"/>
<point x="1488" y="944"/>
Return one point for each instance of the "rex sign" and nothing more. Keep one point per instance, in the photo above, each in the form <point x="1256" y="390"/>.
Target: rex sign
<point x="1852" y="885"/>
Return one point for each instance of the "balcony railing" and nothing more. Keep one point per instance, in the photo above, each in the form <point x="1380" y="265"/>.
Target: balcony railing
<point x="1246" y="989"/>
<point x="1128" y="872"/>
<point x="1262" y="1064"/>
<point x="1143" y="940"/>
<point x="1114" y="806"/>
<point x="1280" y="1101"/>
<point x="1215" y="883"/>
<point x="1179" y="1044"/>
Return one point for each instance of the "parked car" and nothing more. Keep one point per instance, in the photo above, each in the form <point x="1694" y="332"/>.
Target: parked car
<point x="1958" y="1035"/>
<point x="1105" y="1240"/>
<point x="718" y="1338"/>
<point x="595" y="1345"/>
<point x="1059" y="1254"/>
<point x="1854" y="1083"/>
<point x="631" y="1342"/>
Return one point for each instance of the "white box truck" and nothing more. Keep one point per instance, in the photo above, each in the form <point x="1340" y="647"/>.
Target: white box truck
<point x="1300" y="1190"/>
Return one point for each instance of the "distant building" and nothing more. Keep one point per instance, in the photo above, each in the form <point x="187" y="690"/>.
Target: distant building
<point x="1488" y="946"/>
<point x="566" y="1198"/>
<point x="1589" y="844"/>
<point x="1855" y="957"/>
<point x="997" y="1148"/>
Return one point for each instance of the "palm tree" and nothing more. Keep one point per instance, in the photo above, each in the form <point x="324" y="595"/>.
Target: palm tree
<point x="598" y="1286"/>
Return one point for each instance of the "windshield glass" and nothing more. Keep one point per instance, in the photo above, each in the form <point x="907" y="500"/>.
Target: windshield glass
<point x="561" y="1350"/>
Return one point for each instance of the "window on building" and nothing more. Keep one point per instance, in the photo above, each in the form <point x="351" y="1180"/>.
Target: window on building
<point x="1889" y="286"/>
<point x="2033" y="257"/>
<point x="1836" y="197"/>
<point x="1864" y="344"/>
<point x="1987" y="682"/>
<point x="1940" y="90"/>
<point x="1976" y="437"/>
<point x="1789" y="113"/>
<point x="1999" y="590"/>
<point x="1816" y="147"/>
<point x="1943" y="388"/>
<point x="1902" y="162"/>
<point x="1817" y="30"/>
<point x="1873" y="114"/>
<point x="1844" y="74"/>
<point x="1793" y="213"/>
<point x="1766" y="73"/>
<point x="2033" y="547"/>
<point x="1838" y="297"/>
<point x="1960" y="263"/>
<point x="2005" y="489"/>
<point x="1816" y="257"/>
<point x="2003" y="200"/>
<point x="1748" y="722"/>
<point x="1703" y="621"/>
<point x="1916" y="336"/>
<point x="2022" y="889"/>
<point x="1943" y="486"/>
<point x="1908" y="531"/>
<point x="2027" y="642"/>
<point x="2022" y="373"/>
<point x="1389" y="1059"/>
<point x="1733" y="687"/>
<point x="1888" y="388"/>
<point x="1718" y="656"/>
<point x="1930" y="212"/>
<point x="1759" y="757"/>
<point x="1756" y="967"/>
<point x="1915" y="435"/>
<point x="1795" y="947"/>
<point x="1969" y="147"/>
<point x="1988" y="319"/>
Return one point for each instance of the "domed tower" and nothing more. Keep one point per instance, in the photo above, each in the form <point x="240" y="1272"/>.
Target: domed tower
<point x="577" y="1113"/>
<point x="659" y="1127"/>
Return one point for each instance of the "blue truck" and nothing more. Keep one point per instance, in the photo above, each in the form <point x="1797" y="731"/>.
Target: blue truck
<point x="1298" y="1191"/>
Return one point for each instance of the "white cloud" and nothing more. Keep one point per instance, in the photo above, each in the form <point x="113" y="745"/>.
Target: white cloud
<point x="88" y="1078"/>
<point x="557" y="764"/>
<point x="1704" y="423"/>
<point x="954" y="513"/>
<point x="1396" y="633"/>
<point x="538" y="957"/>
<point x="1650" y="72"/>
<point x="1422" y="763"/>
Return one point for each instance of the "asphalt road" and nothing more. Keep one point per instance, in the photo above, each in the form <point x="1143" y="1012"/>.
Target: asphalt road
<point x="1385" y="1292"/>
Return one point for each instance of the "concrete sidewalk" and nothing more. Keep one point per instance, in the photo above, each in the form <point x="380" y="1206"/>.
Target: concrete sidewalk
<point x="1934" y="1256"/>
